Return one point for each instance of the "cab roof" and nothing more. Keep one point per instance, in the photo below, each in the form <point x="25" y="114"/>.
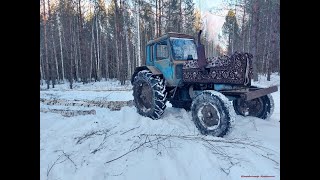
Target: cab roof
<point x="168" y="35"/>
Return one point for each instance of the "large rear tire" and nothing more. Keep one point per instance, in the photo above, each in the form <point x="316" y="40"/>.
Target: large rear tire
<point x="212" y="113"/>
<point x="149" y="94"/>
<point x="261" y="107"/>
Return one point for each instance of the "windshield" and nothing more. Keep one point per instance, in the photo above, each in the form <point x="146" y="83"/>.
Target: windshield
<point x="183" y="49"/>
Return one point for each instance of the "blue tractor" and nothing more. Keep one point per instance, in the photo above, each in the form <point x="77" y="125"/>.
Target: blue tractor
<point x="213" y="89"/>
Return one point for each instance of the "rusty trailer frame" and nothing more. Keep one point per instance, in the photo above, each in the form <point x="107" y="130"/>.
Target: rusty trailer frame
<point x="250" y="93"/>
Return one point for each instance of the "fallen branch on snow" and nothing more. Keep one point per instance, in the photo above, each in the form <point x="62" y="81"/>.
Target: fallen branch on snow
<point x="203" y="139"/>
<point x="102" y="143"/>
<point x="145" y="142"/>
<point x="130" y="130"/>
<point x="67" y="157"/>
<point x="88" y="135"/>
<point x="216" y="145"/>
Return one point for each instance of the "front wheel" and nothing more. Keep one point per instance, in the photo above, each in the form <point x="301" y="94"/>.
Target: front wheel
<point x="212" y="114"/>
<point x="261" y="107"/>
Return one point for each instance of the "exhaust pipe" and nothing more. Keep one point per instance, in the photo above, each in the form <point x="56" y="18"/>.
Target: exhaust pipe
<point x="201" y="53"/>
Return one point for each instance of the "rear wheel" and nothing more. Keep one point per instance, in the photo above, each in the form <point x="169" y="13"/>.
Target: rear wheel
<point x="261" y="107"/>
<point x="211" y="113"/>
<point x="149" y="94"/>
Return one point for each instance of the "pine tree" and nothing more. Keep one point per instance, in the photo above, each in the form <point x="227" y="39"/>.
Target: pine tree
<point x="231" y="31"/>
<point x="197" y="22"/>
<point x="189" y="15"/>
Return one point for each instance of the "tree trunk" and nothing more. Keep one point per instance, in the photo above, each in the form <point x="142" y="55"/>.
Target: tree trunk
<point x="266" y="46"/>
<point x="116" y="38"/>
<point x="60" y="41"/>
<point x="229" y="44"/>
<point x="81" y="53"/>
<point x="54" y="47"/>
<point x="74" y="40"/>
<point x="122" y="68"/>
<point x="41" y="70"/>
<point x="100" y="52"/>
<point x="255" y="38"/>
<point x="249" y="33"/>
<point x="271" y="43"/>
<point x="76" y="52"/>
<point x="233" y="31"/>
<point x="51" y="67"/>
<point x="81" y="63"/>
<point x="156" y="21"/>
<point x="180" y="18"/>
<point x="70" y="52"/>
<point x="159" y="22"/>
<point x="55" y="55"/>
<point x="91" y="45"/>
<point x="97" y="50"/>
<point x="107" y="62"/>
<point x="128" y="52"/>
<point x="134" y="58"/>
<point x="46" y="44"/>
<point x="243" y="26"/>
<point x="138" y="33"/>
<point x="94" y="52"/>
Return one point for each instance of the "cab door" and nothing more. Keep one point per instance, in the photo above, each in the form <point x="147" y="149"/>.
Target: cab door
<point x="162" y="60"/>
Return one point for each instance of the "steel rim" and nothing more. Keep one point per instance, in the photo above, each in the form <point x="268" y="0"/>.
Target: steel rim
<point x="144" y="99"/>
<point x="209" y="116"/>
<point x="253" y="107"/>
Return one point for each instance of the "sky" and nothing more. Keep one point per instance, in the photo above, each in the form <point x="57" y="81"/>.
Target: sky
<point x="207" y="4"/>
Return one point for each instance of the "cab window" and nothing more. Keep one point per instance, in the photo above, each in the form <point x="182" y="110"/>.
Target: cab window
<point x="162" y="50"/>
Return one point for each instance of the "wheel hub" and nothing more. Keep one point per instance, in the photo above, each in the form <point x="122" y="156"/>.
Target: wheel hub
<point x="145" y="95"/>
<point x="250" y="108"/>
<point x="209" y="116"/>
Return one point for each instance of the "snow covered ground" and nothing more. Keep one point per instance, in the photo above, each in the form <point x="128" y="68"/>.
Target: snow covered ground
<point x="124" y="145"/>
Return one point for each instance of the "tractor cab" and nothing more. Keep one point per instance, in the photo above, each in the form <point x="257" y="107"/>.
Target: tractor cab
<point x="168" y="54"/>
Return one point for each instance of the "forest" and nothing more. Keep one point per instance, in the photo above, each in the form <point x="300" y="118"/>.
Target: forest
<point x="92" y="40"/>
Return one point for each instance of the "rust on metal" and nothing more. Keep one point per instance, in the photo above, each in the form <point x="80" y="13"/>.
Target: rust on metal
<point x="202" y="62"/>
<point x="252" y="93"/>
<point x="259" y="93"/>
<point x="235" y="91"/>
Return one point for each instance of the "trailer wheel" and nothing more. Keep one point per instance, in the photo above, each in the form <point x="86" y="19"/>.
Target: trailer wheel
<point x="212" y="113"/>
<point x="261" y="107"/>
<point x="149" y="94"/>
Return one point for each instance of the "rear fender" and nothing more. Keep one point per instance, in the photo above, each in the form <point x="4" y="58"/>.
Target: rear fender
<point x="153" y="69"/>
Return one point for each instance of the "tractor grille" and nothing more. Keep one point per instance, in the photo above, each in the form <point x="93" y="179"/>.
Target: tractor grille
<point x="179" y="71"/>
